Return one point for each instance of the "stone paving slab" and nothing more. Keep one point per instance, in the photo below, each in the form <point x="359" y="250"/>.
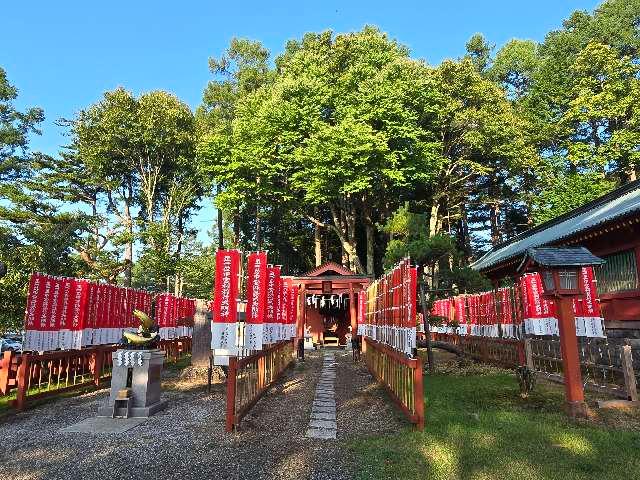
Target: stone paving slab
<point x="323" y="416"/>
<point x="103" y="425"/>
<point x="324" y="390"/>
<point x="321" y="433"/>
<point x="326" y="424"/>
<point x="324" y="398"/>
<point x="317" y="409"/>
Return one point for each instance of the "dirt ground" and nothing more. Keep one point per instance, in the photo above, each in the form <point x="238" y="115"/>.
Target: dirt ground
<point x="187" y="440"/>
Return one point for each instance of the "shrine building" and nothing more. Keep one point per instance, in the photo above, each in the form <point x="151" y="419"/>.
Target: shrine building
<point x="609" y="227"/>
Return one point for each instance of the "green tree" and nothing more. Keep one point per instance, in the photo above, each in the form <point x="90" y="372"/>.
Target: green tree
<point x="566" y="192"/>
<point x="240" y="71"/>
<point x="15" y="128"/>
<point x="141" y="151"/>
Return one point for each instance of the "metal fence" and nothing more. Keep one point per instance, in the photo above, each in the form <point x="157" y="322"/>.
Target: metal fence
<point x="250" y="377"/>
<point x="401" y="376"/>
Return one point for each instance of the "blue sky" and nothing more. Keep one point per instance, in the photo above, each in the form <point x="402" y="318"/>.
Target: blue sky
<point x="63" y="55"/>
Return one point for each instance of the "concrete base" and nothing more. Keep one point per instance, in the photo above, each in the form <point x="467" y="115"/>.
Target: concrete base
<point x="134" y="412"/>
<point x="103" y="425"/>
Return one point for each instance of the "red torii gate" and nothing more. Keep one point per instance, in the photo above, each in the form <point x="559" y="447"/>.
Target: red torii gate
<point x="329" y="278"/>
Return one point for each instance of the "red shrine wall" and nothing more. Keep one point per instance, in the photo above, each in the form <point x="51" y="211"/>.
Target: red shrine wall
<point x="315" y="325"/>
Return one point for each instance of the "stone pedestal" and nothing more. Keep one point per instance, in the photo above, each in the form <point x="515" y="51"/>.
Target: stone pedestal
<point x="140" y="371"/>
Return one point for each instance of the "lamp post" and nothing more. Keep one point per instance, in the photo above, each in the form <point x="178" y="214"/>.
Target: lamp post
<point x="560" y="272"/>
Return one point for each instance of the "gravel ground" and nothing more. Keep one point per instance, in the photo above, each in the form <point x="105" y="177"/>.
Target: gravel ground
<point x="187" y="440"/>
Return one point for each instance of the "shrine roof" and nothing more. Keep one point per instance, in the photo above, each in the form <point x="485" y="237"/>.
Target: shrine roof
<point x="615" y="205"/>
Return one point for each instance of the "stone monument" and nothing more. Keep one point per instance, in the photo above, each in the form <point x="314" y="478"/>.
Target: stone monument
<point x="136" y="373"/>
<point x="135" y="384"/>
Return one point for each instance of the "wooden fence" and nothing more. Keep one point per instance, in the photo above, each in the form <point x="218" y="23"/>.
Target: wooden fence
<point x="401" y="376"/>
<point x="607" y="368"/>
<point x="503" y="352"/>
<point x="39" y="375"/>
<point x="248" y="378"/>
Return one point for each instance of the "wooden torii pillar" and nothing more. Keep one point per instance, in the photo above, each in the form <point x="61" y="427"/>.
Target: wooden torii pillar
<point x="352" y="311"/>
<point x="302" y="313"/>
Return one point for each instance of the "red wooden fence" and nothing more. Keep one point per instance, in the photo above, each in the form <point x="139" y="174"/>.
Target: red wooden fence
<point x="40" y="375"/>
<point x="248" y="378"/>
<point x="401" y="375"/>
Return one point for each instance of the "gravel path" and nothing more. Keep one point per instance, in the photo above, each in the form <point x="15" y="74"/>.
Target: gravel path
<point x="187" y="440"/>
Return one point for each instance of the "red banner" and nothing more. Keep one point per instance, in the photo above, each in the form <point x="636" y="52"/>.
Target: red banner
<point x="225" y="306"/>
<point x="256" y="287"/>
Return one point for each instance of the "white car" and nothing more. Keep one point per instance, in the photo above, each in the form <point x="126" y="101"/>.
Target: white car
<point x="10" y="344"/>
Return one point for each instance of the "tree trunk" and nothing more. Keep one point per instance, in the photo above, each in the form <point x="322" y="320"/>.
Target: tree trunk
<point x="370" y="249"/>
<point x="631" y="173"/>
<point x="258" y="236"/>
<point x="128" y="248"/>
<point x="433" y="218"/>
<point x="220" y="222"/>
<point x="345" y="257"/>
<point x="344" y="226"/>
<point x="236" y="228"/>
<point x="317" y="240"/>
<point x="178" y="276"/>
<point x="494" y="218"/>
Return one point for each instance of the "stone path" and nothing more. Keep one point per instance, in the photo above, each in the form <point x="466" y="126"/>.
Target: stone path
<point x="322" y="424"/>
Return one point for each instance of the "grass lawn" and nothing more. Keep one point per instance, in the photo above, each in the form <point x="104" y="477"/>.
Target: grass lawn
<point x="478" y="427"/>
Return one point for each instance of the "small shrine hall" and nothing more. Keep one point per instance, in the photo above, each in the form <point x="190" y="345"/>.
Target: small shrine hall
<point x="328" y="297"/>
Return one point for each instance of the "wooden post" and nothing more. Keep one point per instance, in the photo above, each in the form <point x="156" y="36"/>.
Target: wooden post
<point x="201" y="342"/>
<point x="629" y="374"/>
<point x="418" y="394"/>
<point x="231" y="394"/>
<point x="528" y="354"/>
<point x="352" y="312"/>
<point x="522" y="356"/>
<point x="484" y="350"/>
<point x="22" y="382"/>
<point x="5" y="371"/>
<point x="302" y="307"/>
<point x="97" y="359"/>
<point x="261" y="373"/>
<point x="574" y="392"/>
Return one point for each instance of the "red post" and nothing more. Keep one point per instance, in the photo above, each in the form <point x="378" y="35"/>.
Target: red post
<point x="574" y="392"/>
<point x="261" y="373"/>
<point x="352" y="311"/>
<point x="302" y="310"/>
<point x="22" y="382"/>
<point x="231" y="394"/>
<point x="97" y="360"/>
<point x="418" y="394"/>
<point x="5" y="371"/>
